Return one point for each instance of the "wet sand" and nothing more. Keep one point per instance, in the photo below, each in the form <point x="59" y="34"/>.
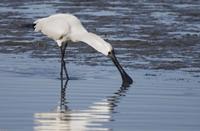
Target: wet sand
<point x="158" y="43"/>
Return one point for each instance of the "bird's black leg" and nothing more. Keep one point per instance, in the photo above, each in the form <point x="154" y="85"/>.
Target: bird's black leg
<point x="64" y="63"/>
<point x="61" y="76"/>
<point x="63" y="86"/>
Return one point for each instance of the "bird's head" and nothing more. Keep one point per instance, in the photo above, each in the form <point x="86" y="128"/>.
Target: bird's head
<point x="107" y="49"/>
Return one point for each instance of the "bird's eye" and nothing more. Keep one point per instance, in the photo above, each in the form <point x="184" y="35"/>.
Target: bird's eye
<point x="61" y="37"/>
<point x="109" y="53"/>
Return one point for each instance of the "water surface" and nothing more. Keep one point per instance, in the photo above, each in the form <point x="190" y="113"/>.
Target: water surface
<point x="158" y="43"/>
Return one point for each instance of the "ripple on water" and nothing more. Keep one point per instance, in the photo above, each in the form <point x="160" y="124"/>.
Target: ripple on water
<point x="157" y="41"/>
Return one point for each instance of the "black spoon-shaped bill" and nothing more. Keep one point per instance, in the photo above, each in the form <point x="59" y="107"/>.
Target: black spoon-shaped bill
<point x="126" y="79"/>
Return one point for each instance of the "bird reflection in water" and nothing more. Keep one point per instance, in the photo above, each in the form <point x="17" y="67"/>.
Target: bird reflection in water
<point x="92" y="118"/>
<point x="63" y="103"/>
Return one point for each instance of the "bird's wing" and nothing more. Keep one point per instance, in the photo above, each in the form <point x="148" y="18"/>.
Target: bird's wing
<point x="52" y="27"/>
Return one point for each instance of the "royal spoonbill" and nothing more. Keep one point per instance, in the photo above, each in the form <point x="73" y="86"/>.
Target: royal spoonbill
<point x="64" y="28"/>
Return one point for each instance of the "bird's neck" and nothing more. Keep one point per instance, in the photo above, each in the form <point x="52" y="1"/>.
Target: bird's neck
<point x="95" y="41"/>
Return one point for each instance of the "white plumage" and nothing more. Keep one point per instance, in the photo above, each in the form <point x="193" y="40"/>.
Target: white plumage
<point x="67" y="27"/>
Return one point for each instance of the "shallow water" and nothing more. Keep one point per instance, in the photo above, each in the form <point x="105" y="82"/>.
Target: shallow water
<point x="157" y="42"/>
<point x="157" y="100"/>
<point x="146" y="34"/>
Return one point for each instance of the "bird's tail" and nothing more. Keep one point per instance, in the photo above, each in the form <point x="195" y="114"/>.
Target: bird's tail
<point x="39" y="23"/>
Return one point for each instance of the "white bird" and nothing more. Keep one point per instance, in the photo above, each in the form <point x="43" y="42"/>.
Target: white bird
<point x="64" y="28"/>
